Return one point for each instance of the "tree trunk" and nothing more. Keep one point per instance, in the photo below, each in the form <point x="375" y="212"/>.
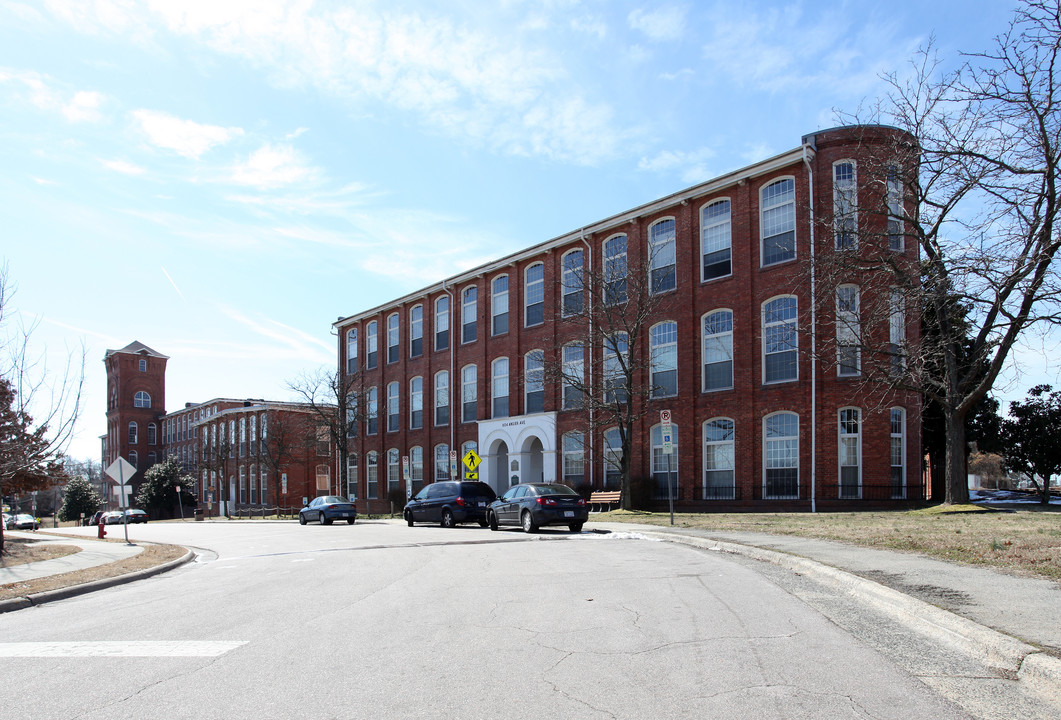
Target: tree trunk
<point x="957" y="476"/>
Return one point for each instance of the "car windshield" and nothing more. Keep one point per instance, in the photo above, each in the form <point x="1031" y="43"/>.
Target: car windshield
<point x="478" y="489"/>
<point x="554" y="490"/>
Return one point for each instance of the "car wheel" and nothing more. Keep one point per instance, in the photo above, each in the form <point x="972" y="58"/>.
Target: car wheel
<point x="483" y="523"/>
<point x="350" y="521"/>
<point x="447" y="519"/>
<point x="324" y="520"/>
<point x="491" y="519"/>
<point x="575" y="527"/>
<point x="301" y="519"/>
<point x="528" y="522"/>
<point x="409" y="518"/>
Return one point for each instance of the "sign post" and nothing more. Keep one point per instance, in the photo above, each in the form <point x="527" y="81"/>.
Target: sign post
<point x="407" y="476"/>
<point x="452" y="464"/>
<point x="668" y="450"/>
<point x="179" y="503"/>
<point x="121" y="470"/>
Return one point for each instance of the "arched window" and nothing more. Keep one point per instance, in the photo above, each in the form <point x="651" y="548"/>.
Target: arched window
<point x="441" y="462"/>
<point x="616" y="363"/>
<point x="615" y="270"/>
<point x="243" y="485"/>
<point x="572" y="283"/>
<point x="897" y="418"/>
<point x="777" y="221"/>
<point x="499" y="388"/>
<point x="442" y="397"/>
<point x="351" y="351"/>
<point x="143" y="365"/>
<point x="372" y="475"/>
<point x="392" y="338"/>
<point x="780" y="343"/>
<point x="442" y="323"/>
<point x="416" y="331"/>
<point x="134" y="460"/>
<point x="534" y="295"/>
<point x="718" y="350"/>
<point x="416" y="403"/>
<point x="469" y="314"/>
<point x="665" y="465"/>
<point x="574" y="380"/>
<point x="416" y="467"/>
<point x="719" y="460"/>
<point x="469" y="394"/>
<point x="574" y="459"/>
<point x="663" y="349"/>
<point x="661" y="256"/>
<point x="351" y="477"/>
<point x="394" y="471"/>
<point x="141" y="400"/>
<point x="393" y="408"/>
<point x="715" y="240"/>
<point x="152" y="433"/>
<point x="134" y="433"/>
<point x="848" y="331"/>
<point x="372" y="412"/>
<point x="897" y="331"/>
<point x="781" y="456"/>
<point x="895" y="210"/>
<point x="499" y="305"/>
<point x="850" y="443"/>
<point x="534" y="382"/>
<point x="613" y="458"/>
<point x="845" y="205"/>
<point x="371" y="345"/>
<point x="253" y="486"/>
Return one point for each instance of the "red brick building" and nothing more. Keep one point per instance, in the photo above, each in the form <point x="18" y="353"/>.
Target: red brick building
<point x="770" y="393"/>
<point x="242" y="453"/>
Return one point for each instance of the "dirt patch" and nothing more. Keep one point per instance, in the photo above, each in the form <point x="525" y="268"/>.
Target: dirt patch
<point x="151" y="556"/>
<point x="1025" y="542"/>
<point x="20" y="551"/>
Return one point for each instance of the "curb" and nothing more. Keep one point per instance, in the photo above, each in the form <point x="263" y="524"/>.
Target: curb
<point x="40" y="598"/>
<point x="1010" y="657"/>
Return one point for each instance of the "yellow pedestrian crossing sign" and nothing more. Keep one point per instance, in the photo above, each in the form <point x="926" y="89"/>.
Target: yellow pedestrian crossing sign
<point x="471" y="461"/>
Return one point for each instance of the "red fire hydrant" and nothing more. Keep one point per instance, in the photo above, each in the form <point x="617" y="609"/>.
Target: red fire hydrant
<point x="102" y="533"/>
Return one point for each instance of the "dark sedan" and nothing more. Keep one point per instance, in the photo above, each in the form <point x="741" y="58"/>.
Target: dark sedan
<point x="450" y="503"/>
<point x="532" y="505"/>
<point x="326" y="508"/>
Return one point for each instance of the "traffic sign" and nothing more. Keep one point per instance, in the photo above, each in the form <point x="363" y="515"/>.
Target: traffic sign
<point x="471" y="461"/>
<point x="667" y="431"/>
<point x="120" y="470"/>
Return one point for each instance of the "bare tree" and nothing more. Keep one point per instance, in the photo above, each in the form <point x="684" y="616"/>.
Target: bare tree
<point x="974" y="183"/>
<point x="600" y="359"/>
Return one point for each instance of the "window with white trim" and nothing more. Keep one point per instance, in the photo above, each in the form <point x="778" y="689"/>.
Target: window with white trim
<point x="143" y="365"/>
<point x="574" y="379"/>
<point x="850" y="444"/>
<point x="372" y="412"/>
<point x="616" y="362"/>
<point x="661" y="256"/>
<point x="134" y="459"/>
<point x="719" y="460"/>
<point x="392" y="338"/>
<point x="469" y="314"/>
<point x="716" y="245"/>
<point x="416" y="331"/>
<point x="499" y="305"/>
<point x="134" y="433"/>
<point x="845" y="205"/>
<point x="416" y="468"/>
<point x="615" y="270"/>
<point x="574" y="449"/>
<point x="663" y="349"/>
<point x="499" y="388"/>
<point x="613" y="458"/>
<point x="469" y="394"/>
<point x="371" y="344"/>
<point x="351" y="478"/>
<point x="141" y="400"/>
<point x="780" y="344"/>
<point x="665" y="465"/>
<point x="718" y="350"/>
<point x="571" y="279"/>
<point x="534" y="382"/>
<point x="243" y="484"/>
<point x="442" y="397"/>
<point x="534" y="295"/>
<point x="393" y="409"/>
<point x="848" y="331"/>
<point x="416" y="403"/>
<point x="152" y="433"/>
<point x="442" y="323"/>
<point x="351" y="417"/>
<point x="351" y="351"/>
<point x="778" y="221"/>
<point x="441" y="462"/>
<point x="781" y="456"/>
<point x="896" y="241"/>
<point x="897" y="419"/>
<point x="897" y="331"/>
<point x="372" y="475"/>
<point x="394" y="471"/>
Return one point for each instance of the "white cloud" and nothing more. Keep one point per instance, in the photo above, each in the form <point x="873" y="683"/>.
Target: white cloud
<point x="271" y="167"/>
<point x="691" y="162"/>
<point x="660" y="25"/>
<point x="83" y="107"/>
<point x="121" y="166"/>
<point x="45" y="93"/>
<point x="590" y="26"/>
<point x="44" y="181"/>
<point x="184" y="137"/>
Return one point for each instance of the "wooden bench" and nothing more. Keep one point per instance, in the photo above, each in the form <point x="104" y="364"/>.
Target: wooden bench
<point x="600" y="498"/>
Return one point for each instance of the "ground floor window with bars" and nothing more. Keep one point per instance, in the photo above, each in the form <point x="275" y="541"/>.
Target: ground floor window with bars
<point x="898" y="453"/>
<point x="719" y="460"/>
<point x="781" y="456"/>
<point x="850" y="454"/>
<point x="441" y="462"/>
<point x="613" y="458"/>
<point x="372" y="476"/>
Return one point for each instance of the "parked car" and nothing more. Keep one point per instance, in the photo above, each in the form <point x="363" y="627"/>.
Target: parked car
<point x="136" y="516"/>
<point x="113" y="517"/>
<point x="532" y="505"/>
<point x="6" y="520"/>
<point x="94" y="520"/>
<point x="326" y="508"/>
<point x="22" y="522"/>
<point x="450" y="503"/>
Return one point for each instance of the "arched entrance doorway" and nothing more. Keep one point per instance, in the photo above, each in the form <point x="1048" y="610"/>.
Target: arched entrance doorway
<point x="499" y="471"/>
<point x="533" y="464"/>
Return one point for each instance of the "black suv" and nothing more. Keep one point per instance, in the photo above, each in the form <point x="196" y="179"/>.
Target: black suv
<point x="450" y="503"/>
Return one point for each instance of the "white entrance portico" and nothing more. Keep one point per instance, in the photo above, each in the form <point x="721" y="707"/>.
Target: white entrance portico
<point x="519" y="449"/>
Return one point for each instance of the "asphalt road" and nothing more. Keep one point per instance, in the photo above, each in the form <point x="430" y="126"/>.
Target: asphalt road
<point x="380" y="620"/>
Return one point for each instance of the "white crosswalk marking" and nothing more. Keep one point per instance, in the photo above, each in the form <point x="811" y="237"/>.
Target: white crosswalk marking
<point x="121" y="648"/>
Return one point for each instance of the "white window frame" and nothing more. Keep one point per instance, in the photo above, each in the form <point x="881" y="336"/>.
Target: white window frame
<point x="661" y="463"/>
<point x="716" y="330"/>
<point x="469" y="392"/>
<point x="416" y="331"/>
<point x="416" y="403"/>
<point x="394" y="422"/>
<point x="849" y="451"/>
<point x="372" y="475"/>
<point x="897" y="434"/>
<point x="897" y="331"/>
<point x="499" y="389"/>
<point x="141" y="399"/>
<point x="777" y="448"/>
<point x="442" y="323"/>
<point x="719" y="451"/>
<point x="894" y="200"/>
<point x="777" y="217"/>
<point x="572" y="301"/>
<point x="613" y="458"/>
<point x="469" y="309"/>
<point x="534" y="295"/>
<point x="574" y="376"/>
<point x="845" y="205"/>
<point x="573" y="445"/>
<point x="441" y="398"/>
<point x="663" y="356"/>
<point x="441" y="462"/>
<point x="615" y="269"/>
<point x="499" y="305"/>
<point x="372" y="345"/>
<point x="662" y="254"/>
<point x="351" y="351"/>
<point x="772" y="326"/>
<point x="848" y="331"/>
<point x="393" y="338"/>
<point x="716" y="237"/>
<point x="534" y="381"/>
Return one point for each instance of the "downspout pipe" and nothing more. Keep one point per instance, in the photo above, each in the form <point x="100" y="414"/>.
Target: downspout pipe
<point x="808" y="155"/>
<point x="452" y="380"/>
<point x="589" y="356"/>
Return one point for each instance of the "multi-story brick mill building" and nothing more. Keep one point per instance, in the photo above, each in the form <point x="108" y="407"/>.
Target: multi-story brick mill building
<point x="767" y="378"/>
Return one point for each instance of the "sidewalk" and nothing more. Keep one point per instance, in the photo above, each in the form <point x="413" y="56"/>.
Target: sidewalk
<point x="1009" y="622"/>
<point x="93" y="553"/>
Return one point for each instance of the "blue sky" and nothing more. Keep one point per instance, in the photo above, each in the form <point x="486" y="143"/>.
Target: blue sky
<point x="222" y="180"/>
